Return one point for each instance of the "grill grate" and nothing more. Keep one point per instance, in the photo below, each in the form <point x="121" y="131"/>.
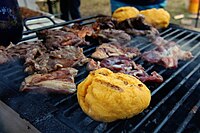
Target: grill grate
<point x="174" y="106"/>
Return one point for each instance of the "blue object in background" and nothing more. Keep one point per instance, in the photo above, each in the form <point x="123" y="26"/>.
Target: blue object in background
<point x="139" y="5"/>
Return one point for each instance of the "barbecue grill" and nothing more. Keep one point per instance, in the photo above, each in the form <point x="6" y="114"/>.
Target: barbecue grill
<point x="174" y="106"/>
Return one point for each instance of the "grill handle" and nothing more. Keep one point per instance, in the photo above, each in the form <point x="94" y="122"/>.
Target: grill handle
<point x="81" y="20"/>
<point x="35" y="18"/>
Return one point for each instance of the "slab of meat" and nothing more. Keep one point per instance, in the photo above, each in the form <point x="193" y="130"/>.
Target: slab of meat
<point x="80" y="31"/>
<point x="106" y="22"/>
<point x="19" y="51"/>
<point x="166" y="54"/>
<point x="44" y="62"/>
<point x="112" y="35"/>
<point x="107" y="50"/>
<point x="137" y="26"/>
<point x="22" y="49"/>
<point x="60" y="81"/>
<point x="58" y="38"/>
<point x="125" y="65"/>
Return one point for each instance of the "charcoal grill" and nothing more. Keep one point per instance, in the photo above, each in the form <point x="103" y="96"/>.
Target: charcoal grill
<point x="174" y="106"/>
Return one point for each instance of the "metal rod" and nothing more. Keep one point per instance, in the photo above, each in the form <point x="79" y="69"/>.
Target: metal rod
<point x="178" y="104"/>
<point x="61" y="24"/>
<point x="188" y="118"/>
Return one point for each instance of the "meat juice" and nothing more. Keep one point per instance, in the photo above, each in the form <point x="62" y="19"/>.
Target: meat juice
<point x="11" y="27"/>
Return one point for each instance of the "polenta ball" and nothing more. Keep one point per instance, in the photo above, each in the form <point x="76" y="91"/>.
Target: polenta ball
<point x="106" y="96"/>
<point x="124" y="13"/>
<point x="158" y="18"/>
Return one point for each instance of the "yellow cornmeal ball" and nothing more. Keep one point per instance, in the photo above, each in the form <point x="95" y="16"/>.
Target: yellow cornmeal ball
<point x="124" y="13"/>
<point x="106" y="96"/>
<point x="159" y="18"/>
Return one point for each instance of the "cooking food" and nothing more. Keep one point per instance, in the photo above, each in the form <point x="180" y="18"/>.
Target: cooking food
<point x="112" y="35"/>
<point x="80" y="31"/>
<point x="106" y="22"/>
<point x="166" y="53"/>
<point x="106" y="50"/>
<point x="158" y="18"/>
<point x="107" y="96"/>
<point x="124" y="13"/>
<point x="4" y="56"/>
<point x="28" y="13"/>
<point x="44" y="62"/>
<point x="58" y="38"/>
<point x="137" y="26"/>
<point x="22" y="49"/>
<point x="125" y="65"/>
<point x="19" y="51"/>
<point x="60" y="81"/>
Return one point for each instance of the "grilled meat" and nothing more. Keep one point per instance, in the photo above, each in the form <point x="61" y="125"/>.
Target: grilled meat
<point x="137" y="26"/>
<point x="125" y="65"/>
<point x="112" y="35"/>
<point x="93" y="65"/>
<point x="166" y="54"/>
<point x="107" y="50"/>
<point x="106" y="22"/>
<point x="58" y="38"/>
<point x="4" y="55"/>
<point x="22" y="49"/>
<point x="60" y="81"/>
<point x="80" y="31"/>
<point x="44" y="62"/>
<point x="19" y="51"/>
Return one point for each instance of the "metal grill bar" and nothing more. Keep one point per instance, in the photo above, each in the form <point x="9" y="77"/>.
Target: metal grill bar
<point x="150" y="44"/>
<point x="173" y="37"/>
<point x="188" y="118"/>
<point x="165" y="70"/>
<point x="155" y="91"/>
<point x="177" y="106"/>
<point x="86" y="123"/>
<point x="173" y="32"/>
<point x="63" y="24"/>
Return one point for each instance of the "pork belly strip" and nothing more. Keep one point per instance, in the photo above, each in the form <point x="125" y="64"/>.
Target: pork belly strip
<point x="60" y="81"/>
<point x="106" y="50"/>
<point x="166" y="53"/>
<point x="125" y="65"/>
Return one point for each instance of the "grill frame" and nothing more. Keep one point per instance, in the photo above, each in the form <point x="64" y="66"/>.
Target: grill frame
<point x="65" y="112"/>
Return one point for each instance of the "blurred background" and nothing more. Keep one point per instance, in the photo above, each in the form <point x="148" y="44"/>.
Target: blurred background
<point x="179" y="10"/>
